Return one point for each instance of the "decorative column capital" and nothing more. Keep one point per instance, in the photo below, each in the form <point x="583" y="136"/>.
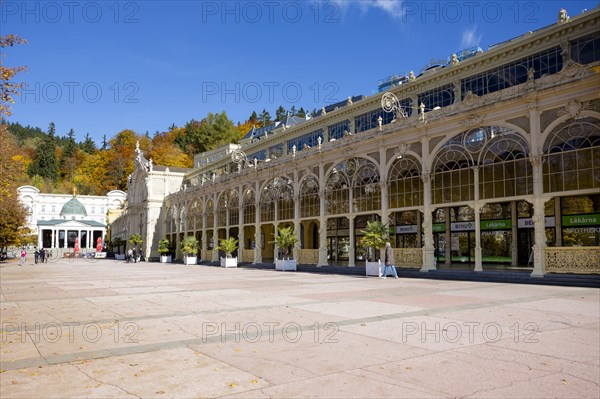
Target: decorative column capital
<point x="536" y="160"/>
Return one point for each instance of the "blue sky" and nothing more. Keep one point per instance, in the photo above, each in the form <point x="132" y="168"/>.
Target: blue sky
<point x="104" y="66"/>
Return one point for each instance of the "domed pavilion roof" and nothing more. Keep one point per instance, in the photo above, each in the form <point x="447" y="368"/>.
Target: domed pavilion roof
<point x="73" y="208"/>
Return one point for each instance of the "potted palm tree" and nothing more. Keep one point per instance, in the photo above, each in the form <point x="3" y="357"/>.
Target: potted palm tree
<point x="285" y="239"/>
<point x="135" y="240"/>
<point x="374" y="238"/>
<point x="228" y="245"/>
<point x="164" y="249"/>
<point x="189" y="246"/>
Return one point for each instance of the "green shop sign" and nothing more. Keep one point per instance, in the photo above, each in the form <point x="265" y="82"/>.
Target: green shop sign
<point x="502" y="224"/>
<point x="439" y="227"/>
<point x="581" y="220"/>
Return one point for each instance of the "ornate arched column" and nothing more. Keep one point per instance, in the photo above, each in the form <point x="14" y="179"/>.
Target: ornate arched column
<point x="477" y="209"/>
<point x="204" y="243"/>
<point x="351" y="250"/>
<point x="241" y="235"/>
<point x="257" y="234"/>
<point x="215" y="253"/>
<point x="296" y="248"/>
<point x="538" y="189"/>
<point x="322" y="219"/>
<point x="428" y="249"/>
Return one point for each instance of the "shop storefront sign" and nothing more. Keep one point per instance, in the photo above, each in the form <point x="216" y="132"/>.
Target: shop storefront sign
<point x="527" y="223"/>
<point x="581" y="220"/>
<point x="439" y="227"/>
<point x="406" y="229"/>
<point x="501" y="224"/>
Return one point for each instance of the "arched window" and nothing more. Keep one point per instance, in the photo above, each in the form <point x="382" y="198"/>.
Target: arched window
<point x="192" y="220"/>
<point x="210" y="214"/>
<point x="222" y="210"/>
<point x="365" y="187"/>
<point x="572" y="156"/>
<point x="309" y="197"/>
<point x="405" y="187"/>
<point x="278" y="191"/>
<point x="171" y="219"/>
<point x="285" y="206"/>
<point x="267" y="203"/>
<point x="233" y="204"/>
<point x="249" y="207"/>
<point x="198" y="214"/>
<point x="337" y="194"/>
<point x="452" y="177"/>
<point x="505" y="167"/>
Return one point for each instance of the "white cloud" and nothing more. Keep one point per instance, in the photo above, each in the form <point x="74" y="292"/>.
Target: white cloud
<point x="470" y="37"/>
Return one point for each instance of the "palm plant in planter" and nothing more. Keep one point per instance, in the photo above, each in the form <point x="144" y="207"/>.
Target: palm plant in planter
<point x="374" y="238"/>
<point x="285" y="239"/>
<point x="135" y="239"/>
<point x="228" y="245"/>
<point x="164" y="249"/>
<point x="189" y="246"/>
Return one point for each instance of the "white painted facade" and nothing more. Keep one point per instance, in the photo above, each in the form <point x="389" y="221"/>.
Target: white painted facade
<point x="45" y="214"/>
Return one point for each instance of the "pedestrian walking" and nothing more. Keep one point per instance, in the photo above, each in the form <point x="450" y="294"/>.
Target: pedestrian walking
<point x="42" y="255"/>
<point x="389" y="260"/>
<point x="36" y="256"/>
<point x="23" y="255"/>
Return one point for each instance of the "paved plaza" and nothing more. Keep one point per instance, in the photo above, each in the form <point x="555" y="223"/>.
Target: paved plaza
<point x="110" y="329"/>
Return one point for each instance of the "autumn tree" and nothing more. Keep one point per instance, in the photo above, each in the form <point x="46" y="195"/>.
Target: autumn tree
<point x="120" y="157"/>
<point x="12" y="212"/>
<point x="209" y="133"/>
<point x="244" y="128"/>
<point x="91" y="177"/>
<point x="8" y="87"/>
<point x="164" y="151"/>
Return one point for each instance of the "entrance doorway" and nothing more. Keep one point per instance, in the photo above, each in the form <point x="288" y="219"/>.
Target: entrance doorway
<point x="525" y="240"/>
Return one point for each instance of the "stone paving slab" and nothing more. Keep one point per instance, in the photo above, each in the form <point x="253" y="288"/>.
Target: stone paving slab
<point x="105" y="329"/>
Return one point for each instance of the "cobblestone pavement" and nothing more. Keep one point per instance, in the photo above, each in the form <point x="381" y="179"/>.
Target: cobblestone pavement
<point x="105" y="329"/>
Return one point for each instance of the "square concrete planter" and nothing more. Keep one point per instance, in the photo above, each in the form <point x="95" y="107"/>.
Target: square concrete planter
<point x="190" y="260"/>
<point x="165" y="259"/>
<point x="229" y="262"/>
<point x="374" y="268"/>
<point x="285" y="264"/>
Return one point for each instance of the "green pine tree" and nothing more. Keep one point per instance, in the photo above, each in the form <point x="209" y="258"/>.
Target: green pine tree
<point x="88" y="145"/>
<point x="44" y="160"/>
